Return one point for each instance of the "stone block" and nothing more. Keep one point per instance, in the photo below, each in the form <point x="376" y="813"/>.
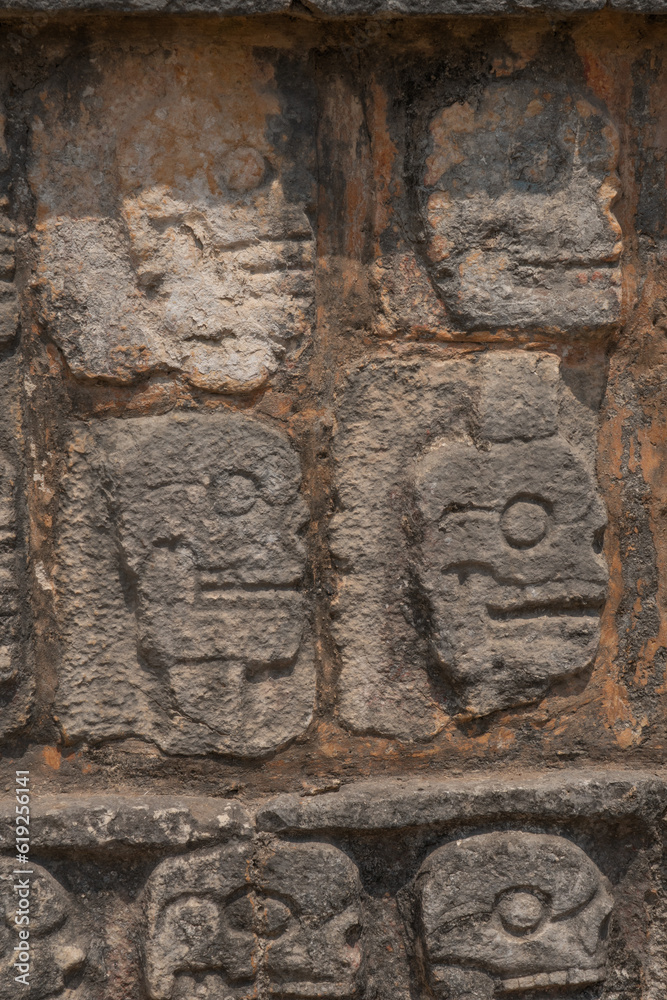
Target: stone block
<point x="179" y="238"/>
<point x="468" y="538"/>
<point x="505" y="192"/>
<point x="524" y="908"/>
<point x="245" y="921"/>
<point x="473" y="889"/>
<point x="181" y="566"/>
<point x="58" y="938"/>
<point x="518" y="189"/>
<point x="597" y="798"/>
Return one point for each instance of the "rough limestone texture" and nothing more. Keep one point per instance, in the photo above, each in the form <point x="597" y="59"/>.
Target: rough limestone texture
<point x="472" y="527"/>
<point x="56" y="927"/>
<point x="430" y="906"/>
<point x="283" y="920"/>
<point x="334" y="8"/>
<point x="16" y="674"/>
<point x="517" y="195"/>
<point x="528" y="908"/>
<point x="333" y="494"/>
<point x="507" y="221"/>
<point x="189" y="253"/>
<point x="180" y="536"/>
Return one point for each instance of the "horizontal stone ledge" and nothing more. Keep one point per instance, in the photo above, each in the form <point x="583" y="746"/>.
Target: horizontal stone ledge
<point x="403" y="803"/>
<point x="125" y="823"/>
<point x="331" y="8"/>
<point x="119" y="822"/>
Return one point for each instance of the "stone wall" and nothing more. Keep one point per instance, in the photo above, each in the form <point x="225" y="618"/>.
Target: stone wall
<point x="333" y="485"/>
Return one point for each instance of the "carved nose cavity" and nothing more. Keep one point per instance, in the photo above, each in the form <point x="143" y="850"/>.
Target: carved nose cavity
<point x="520" y="912"/>
<point x="594" y="931"/>
<point x="524" y="523"/>
<point x="262" y="915"/>
<point x="275" y="917"/>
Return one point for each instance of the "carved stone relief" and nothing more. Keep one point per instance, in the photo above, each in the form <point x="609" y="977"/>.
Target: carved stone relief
<point x="518" y="188"/>
<point x="507" y="913"/>
<point x="9" y="306"/>
<point x="384" y="888"/>
<point x="507" y="214"/>
<point x="181" y="541"/>
<point x="468" y="537"/>
<point x="10" y="651"/>
<point x="196" y="214"/>
<point x="57" y="939"/>
<point x="509" y="560"/>
<point x="282" y="921"/>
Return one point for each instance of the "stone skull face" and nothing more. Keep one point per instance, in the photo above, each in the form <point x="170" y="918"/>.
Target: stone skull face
<point x="208" y="514"/>
<point x="286" y="925"/>
<point x="56" y="950"/>
<point x="513" y="910"/>
<point x="510" y="566"/>
<point x="188" y="247"/>
<point x="516" y="205"/>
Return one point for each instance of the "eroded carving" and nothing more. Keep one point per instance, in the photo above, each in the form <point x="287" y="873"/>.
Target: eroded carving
<point x="197" y="523"/>
<point x="504" y="913"/>
<point x="510" y="561"/>
<point x="9" y="305"/>
<point x="57" y="941"/>
<point x="206" y="268"/>
<point x="16" y="679"/>
<point x="10" y="652"/>
<point x="284" y="921"/>
<point x="468" y="539"/>
<point x="516" y="204"/>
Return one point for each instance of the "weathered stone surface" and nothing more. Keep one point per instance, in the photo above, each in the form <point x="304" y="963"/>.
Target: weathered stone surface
<point x="397" y="891"/>
<point x="119" y="824"/>
<point x="426" y="802"/>
<point x="180" y="544"/>
<point x="335" y="8"/>
<point x="496" y="200"/>
<point x="16" y="680"/>
<point x="526" y="910"/>
<point x="178" y="239"/>
<point x="12" y="675"/>
<point x="9" y="305"/>
<point x="516" y="204"/>
<point x="468" y="538"/>
<point x="274" y="921"/>
<point x="323" y="394"/>
<point x="88" y="105"/>
<point x="58" y="937"/>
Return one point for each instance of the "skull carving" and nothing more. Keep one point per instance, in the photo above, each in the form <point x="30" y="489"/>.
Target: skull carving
<point x="510" y="560"/>
<point x="56" y="949"/>
<point x="516" y="206"/>
<point x="511" y="912"/>
<point x="207" y="511"/>
<point x="195" y="255"/>
<point x="227" y="923"/>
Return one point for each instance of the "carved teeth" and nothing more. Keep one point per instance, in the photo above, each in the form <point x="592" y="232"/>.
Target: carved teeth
<point x="572" y="977"/>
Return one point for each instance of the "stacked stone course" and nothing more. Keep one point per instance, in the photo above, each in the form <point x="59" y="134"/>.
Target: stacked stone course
<point x="333" y="587"/>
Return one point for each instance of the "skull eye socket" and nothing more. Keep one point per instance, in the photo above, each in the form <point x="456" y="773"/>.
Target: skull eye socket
<point x="520" y="912"/>
<point x="524" y="523"/>
<point x="235" y="494"/>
